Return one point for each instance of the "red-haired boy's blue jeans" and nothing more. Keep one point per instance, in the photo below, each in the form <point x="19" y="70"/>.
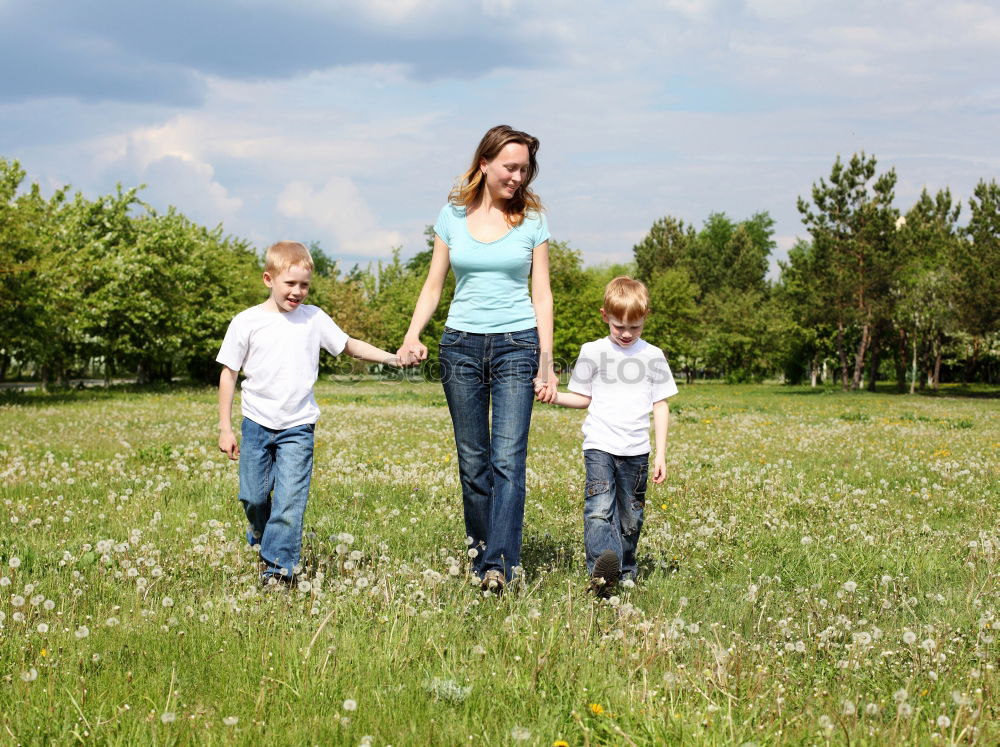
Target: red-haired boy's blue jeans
<point x="613" y="506"/>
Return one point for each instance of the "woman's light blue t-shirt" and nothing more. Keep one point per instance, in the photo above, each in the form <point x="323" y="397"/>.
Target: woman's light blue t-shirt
<point x="491" y="289"/>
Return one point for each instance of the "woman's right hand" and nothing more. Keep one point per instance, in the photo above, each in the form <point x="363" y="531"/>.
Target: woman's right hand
<point x="411" y="353"/>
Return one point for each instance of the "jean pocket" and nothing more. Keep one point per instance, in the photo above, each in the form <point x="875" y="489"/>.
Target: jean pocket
<point x="451" y="337"/>
<point x="525" y="338"/>
<point x="596" y="487"/>
<point x="639" y="489"/>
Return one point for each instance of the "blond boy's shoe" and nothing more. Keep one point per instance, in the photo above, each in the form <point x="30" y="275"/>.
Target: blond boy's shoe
<point x="493" y="581"/>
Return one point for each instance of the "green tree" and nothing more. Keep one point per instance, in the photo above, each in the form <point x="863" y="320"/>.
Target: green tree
<point x="229" y="267"/>
<point x="673" y="321"/>
<point x="923" y="284"/>
<point x="976" y="265"/>
<point x="665" y="246"/>
<point x="571" y="292"/>
<point x="852" y="222"/>
<point x="800" y="292"/>
<point x="27" y="228"/>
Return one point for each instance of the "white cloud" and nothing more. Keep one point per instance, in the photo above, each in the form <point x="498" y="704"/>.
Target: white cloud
<point x="645" y="108"/>
<point x="338" y="208"/>
<point x="498" y="8"/>
<point x="189" y="184"/>
<point x="780" y="9"/>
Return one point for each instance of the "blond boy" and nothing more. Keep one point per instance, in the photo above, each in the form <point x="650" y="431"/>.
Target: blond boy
<point x="277" y="345"/>
<point x="619" y="379"/>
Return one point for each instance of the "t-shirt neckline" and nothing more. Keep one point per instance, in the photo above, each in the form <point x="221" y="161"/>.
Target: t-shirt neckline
<point x="633" y="349"/>
<point x="468" y="231"/>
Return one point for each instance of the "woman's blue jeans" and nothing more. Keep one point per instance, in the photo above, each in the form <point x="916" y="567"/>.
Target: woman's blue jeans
<point x="275" y="471"/>
<point x="613" y="506"/>
<point x="478" y="370"/>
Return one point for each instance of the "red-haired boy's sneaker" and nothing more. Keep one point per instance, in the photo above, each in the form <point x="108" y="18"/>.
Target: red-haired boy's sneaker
<point x="493" y="581"/>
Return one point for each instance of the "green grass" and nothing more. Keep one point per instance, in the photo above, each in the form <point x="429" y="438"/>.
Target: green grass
<point x="801" y="540"/>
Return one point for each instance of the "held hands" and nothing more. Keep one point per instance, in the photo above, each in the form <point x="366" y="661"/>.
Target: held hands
<point x="659" y="470"/>
<point x="411" y="353"/>
<point x="546" y="385"/>
<point x="228" y="445"/>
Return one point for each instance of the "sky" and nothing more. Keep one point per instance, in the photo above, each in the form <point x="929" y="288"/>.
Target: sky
<point x="348" y="122"/>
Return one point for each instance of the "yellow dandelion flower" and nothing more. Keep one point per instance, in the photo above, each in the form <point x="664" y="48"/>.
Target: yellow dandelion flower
<point x="560" y="743"/>
<point x="44" y="652"/>
<point x="596" y="708"/>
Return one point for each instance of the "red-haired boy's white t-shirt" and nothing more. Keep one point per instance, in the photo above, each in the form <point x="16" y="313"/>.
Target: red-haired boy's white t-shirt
<point x="623" y="384"/>
<point x="278" y="353"/>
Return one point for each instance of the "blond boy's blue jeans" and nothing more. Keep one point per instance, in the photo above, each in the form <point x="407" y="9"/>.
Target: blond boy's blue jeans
<point x="275" y="471"/>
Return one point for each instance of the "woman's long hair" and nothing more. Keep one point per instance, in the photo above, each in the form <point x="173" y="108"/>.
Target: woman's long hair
<point x="470" y="189"/>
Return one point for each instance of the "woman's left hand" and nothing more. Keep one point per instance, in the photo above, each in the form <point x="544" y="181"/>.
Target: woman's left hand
<point x="546" y="385"/>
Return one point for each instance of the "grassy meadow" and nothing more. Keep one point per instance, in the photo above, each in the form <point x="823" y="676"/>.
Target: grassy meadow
<point x="819" y="568"/>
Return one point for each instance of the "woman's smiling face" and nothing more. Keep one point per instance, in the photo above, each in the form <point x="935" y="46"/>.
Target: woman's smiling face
<point x="505" y="173"/>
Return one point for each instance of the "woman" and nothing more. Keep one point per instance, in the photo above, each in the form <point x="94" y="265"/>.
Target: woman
<point x="497" y="339"/>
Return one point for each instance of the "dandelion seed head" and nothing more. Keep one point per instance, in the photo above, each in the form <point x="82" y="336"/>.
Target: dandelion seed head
<point x="520" y="734"/>
<point x="350" y="705"/>
<point x="230" y="720"/>
<point x="168" y="717"/>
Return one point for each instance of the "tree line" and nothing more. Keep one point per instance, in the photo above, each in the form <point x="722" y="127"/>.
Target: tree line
<point x="111" y="287"/>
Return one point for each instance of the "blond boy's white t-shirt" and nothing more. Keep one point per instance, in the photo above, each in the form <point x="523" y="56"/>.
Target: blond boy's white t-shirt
<point x="279" y="355"/>
<point x="623" y="384"/>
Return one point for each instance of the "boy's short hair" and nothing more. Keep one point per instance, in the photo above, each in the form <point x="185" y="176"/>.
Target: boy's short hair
<point x="626" y="299"/>
<point x="285" y="254"/>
